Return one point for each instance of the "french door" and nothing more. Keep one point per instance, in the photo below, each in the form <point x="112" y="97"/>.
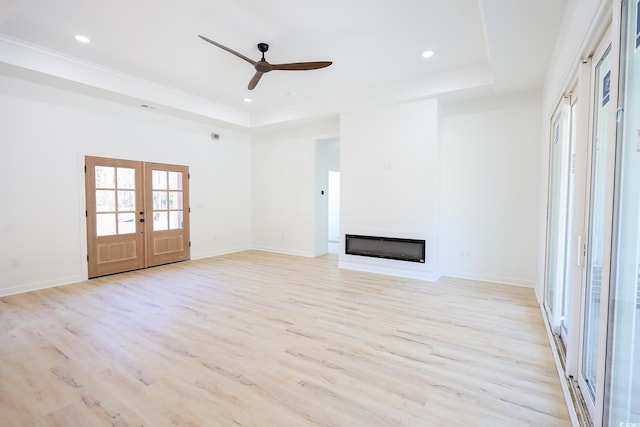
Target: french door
<point x="599" y="232"/>
<point x="137" y="214"/>
<point x="558" y="217"/>
<point x="559" y="295"/>
<point x="623" y="358"/>
<point x="569" y="296"/>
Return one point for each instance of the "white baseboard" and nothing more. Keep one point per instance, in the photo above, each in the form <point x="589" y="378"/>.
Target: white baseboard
<point x="492" y="279"/>
<point x="204" y="255"/>
<point x="284" y="251"/>
<point x="389" y="271"/>
<point x="30" y="287"/>
<point x="63" y="281"/>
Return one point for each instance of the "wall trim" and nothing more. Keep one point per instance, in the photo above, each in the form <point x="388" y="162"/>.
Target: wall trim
<point x="205" y="255"/>
<point x="283" y="251"/>
<point x="70" y="280"/>
<point x="493" y="279"/>
<point x="38" y="286"/>
<point x="389" y="271"/>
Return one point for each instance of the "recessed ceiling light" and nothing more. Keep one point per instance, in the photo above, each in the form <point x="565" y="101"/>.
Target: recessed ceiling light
<point x="427" y="54"/>
<point x="248" y="100"/>
<point x="81" y="38"/>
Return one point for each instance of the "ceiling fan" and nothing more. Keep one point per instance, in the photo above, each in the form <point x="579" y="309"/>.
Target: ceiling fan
<point x="262" y="66"/>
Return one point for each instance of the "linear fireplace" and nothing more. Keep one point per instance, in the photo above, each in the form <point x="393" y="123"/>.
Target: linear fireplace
<point x="385" y="247"/>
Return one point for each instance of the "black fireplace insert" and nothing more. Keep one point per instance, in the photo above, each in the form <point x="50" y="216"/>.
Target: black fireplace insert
<point x="385" y="247"/>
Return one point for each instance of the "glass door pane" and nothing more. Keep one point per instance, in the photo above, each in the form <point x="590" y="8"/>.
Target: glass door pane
<point x="167" y="200"/>
<point x="554" y="213"/>
<point x="115" y="197"/>
<point x="566" y="294"/>
<point x="559" y="221"/>
<point x="597" y="220"/>
<point x="554" y="249"/>
<point x="623" y="394"/>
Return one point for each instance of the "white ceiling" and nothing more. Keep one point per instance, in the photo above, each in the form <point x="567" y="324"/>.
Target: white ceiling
<point x="147" y="51"/>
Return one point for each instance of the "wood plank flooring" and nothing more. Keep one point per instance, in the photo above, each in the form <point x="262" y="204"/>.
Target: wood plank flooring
<point x="259" y="339"/>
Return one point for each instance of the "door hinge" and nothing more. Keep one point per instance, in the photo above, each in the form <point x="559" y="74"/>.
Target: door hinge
<point x="86" y="214"/>
<point x="87" y="258"/>
<point x="85" y="168"/>
<point x="189" y="176"/>
<point x="189" y="209"/>
<point x="189" y="243"/>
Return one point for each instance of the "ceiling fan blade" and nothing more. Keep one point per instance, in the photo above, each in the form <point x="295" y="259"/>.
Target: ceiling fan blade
<point x="238" y="54"/>
<point x="254" y="81"/>
<point x="301" y="66"/>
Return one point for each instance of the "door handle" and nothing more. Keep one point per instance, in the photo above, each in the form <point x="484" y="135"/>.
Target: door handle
<point x="581" y="251"/>
<point x="141" y="219"/>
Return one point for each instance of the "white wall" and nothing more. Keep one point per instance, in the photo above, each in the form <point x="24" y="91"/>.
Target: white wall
<point x="333" y="154"/>
<point x="46" y="133"/>
<point x="389" y="181"/>
<point x="285" y="187"/>
<point x="333" y="232"/>
<point x="321" y="202"/>
<point x="489" y="198"/>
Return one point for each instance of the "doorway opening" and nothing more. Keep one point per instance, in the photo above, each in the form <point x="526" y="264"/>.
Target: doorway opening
<point x="333" y="236"/>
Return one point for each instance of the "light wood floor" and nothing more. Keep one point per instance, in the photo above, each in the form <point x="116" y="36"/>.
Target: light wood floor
<point x="257" y="339"/>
